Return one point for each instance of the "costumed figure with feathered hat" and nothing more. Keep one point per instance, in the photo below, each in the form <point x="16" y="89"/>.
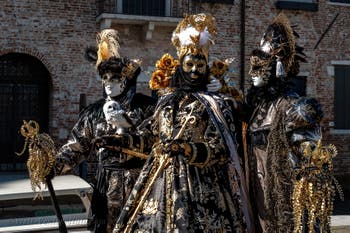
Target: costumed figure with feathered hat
<point x="192" y="180"/>
<point x="117" y="114"/>
<point x="290" y="170"/>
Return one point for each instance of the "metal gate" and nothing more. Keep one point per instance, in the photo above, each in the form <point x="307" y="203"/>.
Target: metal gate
<point x="24" y="95"/>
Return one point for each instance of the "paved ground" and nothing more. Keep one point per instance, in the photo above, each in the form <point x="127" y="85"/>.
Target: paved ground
<point x="341" y="229"/>
<point x="340" y="221"/>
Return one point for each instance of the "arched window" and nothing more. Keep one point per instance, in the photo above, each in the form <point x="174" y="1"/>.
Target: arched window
<point x="24" y="95"/>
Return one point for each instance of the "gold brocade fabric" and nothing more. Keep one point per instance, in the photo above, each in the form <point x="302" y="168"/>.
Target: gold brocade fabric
<point x="191" y="193"/>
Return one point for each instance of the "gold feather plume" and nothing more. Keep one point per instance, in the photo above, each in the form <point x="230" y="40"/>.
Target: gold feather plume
<point x="108" y="45"/>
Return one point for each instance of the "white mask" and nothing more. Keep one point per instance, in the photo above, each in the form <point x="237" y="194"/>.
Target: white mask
<point x="114" y="87"/>
<point x="259" y="81"/>
<point x="265" y="46"/>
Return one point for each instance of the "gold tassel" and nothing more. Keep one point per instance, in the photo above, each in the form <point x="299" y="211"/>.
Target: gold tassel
<point x="42" y="154"/>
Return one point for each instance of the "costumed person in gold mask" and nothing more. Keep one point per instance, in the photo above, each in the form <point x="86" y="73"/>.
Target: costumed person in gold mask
<point x="290" y="171"/>
<point x="118" y="113"/>
<point x="193" y="180"/>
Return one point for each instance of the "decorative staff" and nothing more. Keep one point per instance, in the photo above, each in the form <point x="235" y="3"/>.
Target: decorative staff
<point x="163" y="162"/>
<point x="41" y="160"/>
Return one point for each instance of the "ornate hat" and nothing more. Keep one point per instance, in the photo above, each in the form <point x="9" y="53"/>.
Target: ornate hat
<point x="108" y="58"/>
<point x="279" y="45"/>
<point x="194" y="34"/>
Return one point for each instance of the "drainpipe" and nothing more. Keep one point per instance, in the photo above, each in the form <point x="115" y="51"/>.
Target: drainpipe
<point x="242" y="45"/>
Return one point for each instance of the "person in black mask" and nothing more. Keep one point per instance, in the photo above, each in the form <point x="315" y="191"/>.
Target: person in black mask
<point x="290" y="171"/>
<point x="119" y="112"/>
<point x="192" y="180"/>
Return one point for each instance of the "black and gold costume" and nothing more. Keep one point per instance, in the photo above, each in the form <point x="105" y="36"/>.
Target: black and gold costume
<point x="117" y="171"/>
<point x="277" y="127"/>
<point x="192" y="180"/>
<point x="280" y="124"/>
<point x="197" y="191"/>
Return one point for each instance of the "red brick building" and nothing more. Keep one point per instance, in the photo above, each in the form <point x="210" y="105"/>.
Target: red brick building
<point x="44" y="76"/>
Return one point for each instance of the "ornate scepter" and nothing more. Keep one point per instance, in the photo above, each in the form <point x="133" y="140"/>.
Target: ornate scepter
<point x="41" y="160"/>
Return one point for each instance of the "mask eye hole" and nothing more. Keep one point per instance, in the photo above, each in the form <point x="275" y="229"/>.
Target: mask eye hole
<point x="104" y="77"/>
<point x="189" y="64"/>
<point x="200" y="65"/>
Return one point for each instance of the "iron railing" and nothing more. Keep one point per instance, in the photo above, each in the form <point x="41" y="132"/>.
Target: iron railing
<point x="160" y="8"/>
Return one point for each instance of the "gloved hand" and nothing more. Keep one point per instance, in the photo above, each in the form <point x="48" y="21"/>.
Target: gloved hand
<point x="177" y="147"/>
<point x="214" y="85"/>
<point x="114" y="142"/>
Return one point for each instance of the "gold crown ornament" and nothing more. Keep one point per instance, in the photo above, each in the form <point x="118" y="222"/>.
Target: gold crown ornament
<point x="194" y="35"/>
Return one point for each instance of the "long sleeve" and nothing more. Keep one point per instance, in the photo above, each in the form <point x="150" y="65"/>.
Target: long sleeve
<point x="198" y="139"/>
<point x="302" y="124"/>
<point x="77" y="148"/>
<point x="210" y="150"/>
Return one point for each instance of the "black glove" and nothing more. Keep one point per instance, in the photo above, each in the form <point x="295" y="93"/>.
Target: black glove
<point x="113" y="141"/>
<point x="177" y="147"/>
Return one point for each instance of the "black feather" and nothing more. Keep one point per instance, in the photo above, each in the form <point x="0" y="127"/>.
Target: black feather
<point x="91" y="54"/>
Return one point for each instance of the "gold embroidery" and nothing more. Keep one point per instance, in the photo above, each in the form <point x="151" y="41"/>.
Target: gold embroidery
<point x="150" y="207"/>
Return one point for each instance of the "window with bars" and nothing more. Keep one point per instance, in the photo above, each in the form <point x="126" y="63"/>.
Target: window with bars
<point x="143" y="7"/>
<point x="307" y="5"/>
<point x="341" y="97"/>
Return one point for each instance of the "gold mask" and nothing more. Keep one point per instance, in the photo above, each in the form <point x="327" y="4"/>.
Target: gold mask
<point x="195" y="66"/>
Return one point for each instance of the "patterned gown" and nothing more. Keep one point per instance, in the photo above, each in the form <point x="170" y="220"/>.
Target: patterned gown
<point x="196" y="193"/>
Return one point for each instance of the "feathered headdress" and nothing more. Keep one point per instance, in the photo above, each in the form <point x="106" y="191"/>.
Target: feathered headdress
<point x="279" y="40"/>
<point x="108" y="46"/>
<point x="194" y="34"/>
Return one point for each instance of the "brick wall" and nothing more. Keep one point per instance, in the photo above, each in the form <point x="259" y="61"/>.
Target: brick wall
<point x="55" y="32"/>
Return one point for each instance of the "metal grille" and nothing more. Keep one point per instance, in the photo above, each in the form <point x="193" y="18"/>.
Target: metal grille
<point x="24" y="84"/>
<point x="144" y="7"/>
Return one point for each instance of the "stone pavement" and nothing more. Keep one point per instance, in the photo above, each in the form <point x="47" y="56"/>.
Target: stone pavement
<point x="340" y="223"/>
<point x="340" y="220"/>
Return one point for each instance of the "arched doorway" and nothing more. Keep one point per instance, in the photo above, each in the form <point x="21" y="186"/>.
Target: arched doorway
<point x="24" y="95"/>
